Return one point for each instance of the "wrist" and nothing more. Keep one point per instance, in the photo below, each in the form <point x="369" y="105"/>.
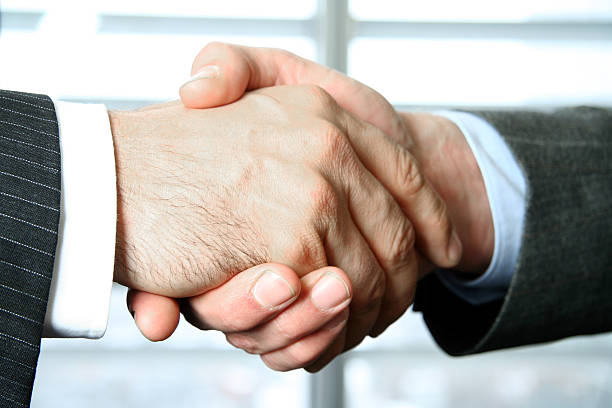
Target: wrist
<point x="118" y="121"/>
<point x="449" y="165"/>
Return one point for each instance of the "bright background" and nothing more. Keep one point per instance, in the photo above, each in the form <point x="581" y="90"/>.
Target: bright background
<point x="430" y="54"/>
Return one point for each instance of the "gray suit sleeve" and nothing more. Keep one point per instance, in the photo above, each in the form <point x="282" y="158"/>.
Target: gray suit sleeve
<point x="562" y="285"/>
<point x="29" y="217"/>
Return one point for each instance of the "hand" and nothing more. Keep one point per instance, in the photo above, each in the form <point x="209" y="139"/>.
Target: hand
<point x="339" y="204"/>
<point x="223" y="72"/>
<point x="240" y="308"/>
<point x="448" y="162"/>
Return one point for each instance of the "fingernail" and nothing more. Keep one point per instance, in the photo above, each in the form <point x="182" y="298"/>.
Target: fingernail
<point x="454" y="248"/>
<point x="329" y="292"/>
<point x="208" y="72"/>
<point x="272" y="290"/>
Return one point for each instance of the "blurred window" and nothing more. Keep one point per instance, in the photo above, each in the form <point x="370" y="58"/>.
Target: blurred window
<point x="483" y="53"/>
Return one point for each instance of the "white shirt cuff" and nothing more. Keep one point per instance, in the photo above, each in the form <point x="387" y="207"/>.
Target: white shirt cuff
<point x="506" y="189"/>
<point x="83" y="272"/>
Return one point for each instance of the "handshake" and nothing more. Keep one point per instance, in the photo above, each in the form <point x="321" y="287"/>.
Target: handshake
<point x="288" y="206"/>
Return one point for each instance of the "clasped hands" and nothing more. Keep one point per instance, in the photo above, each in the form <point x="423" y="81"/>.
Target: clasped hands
<point x="295" y="213"/>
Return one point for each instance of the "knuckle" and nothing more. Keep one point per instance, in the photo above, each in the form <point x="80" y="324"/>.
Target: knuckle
<point x="243" y="342"/>
<point x="271" y="362"/>
<point x="279" y="361"/>
<point x="408" y="175"/>
<point x="378" y="290"/>
<point x="308" y="250"/>
<point x="440" y="220"/>
<point x="301" y="354"/>
<point x="324" y="200"/>
<point x="402" y="240"/>
<point x="336" y="150"/>
<point x="284" y="54"/>
<point x="232" y="324"/>
<point x="286" y="330"/>
<point x="369" y="297"/>
<point x="333" y="140"/>
<point x="320" y="96"/>
<point x="271" y="106"/>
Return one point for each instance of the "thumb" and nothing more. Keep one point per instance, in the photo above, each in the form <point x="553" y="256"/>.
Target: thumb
<point x="220" y="75"/>
<point x="248" y="299"/>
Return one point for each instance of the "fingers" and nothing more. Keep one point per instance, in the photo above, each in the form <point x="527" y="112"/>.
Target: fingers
<point x="308" y="349"/>
<point x="399" y="294"/>
<point x="400" y="174"/>
<point x="381" y="262"/>
<point x="221" y="73"/>
<point x="345" y="136"/>
<point x="326" y="294"/>
<point x="391" y="237"/>
<point x="155" y="316"/>
<point x="347" y="248"/>
<point x="245" y="301"/>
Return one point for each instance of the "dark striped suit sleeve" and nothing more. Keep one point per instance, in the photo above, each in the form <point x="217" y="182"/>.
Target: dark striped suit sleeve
<point x="29" y="216"/>
<point x="562" y="283"/>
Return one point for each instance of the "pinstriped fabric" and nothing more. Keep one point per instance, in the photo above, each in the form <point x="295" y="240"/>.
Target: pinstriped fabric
<point x="29" y="217"/>
<point x="562" y="284"/>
